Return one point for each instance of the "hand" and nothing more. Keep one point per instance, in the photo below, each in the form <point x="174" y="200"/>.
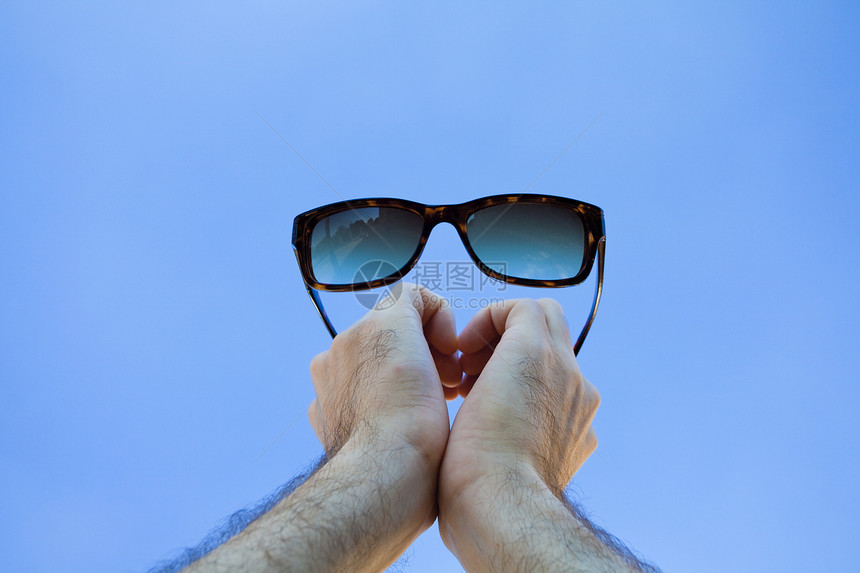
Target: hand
<point x="380" y="413"/>
<point x="521" y="433"/>
<point x="527" y="406"/>
<point x="381" y="380"/>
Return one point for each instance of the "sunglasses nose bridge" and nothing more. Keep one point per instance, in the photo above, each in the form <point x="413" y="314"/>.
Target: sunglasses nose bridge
<point x="436" y="214"/>
<point x="441" y="214"/>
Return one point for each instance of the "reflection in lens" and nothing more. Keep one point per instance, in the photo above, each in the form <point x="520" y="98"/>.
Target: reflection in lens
<point x="528" y="240"/>
<point x="345" y="242"/>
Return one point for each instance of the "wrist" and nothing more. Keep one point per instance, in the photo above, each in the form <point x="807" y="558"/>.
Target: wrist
<point x="407" y="474"/>
<point x="465" y="473"/>
<point x="472" y="504"/>
<point x="507" y="514"/>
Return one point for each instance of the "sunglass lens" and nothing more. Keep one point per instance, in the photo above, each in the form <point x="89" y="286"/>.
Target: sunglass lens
<point x="536" y="241"/>
<point x="363" y="244"/>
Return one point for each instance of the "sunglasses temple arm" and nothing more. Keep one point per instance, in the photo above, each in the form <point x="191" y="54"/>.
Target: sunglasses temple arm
<point x="598" y="290"/>
<point x="315" y="298"/>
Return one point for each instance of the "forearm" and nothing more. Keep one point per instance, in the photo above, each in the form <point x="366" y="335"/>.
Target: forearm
<point x="354" y="514"/>
<point x="512" y="521"/>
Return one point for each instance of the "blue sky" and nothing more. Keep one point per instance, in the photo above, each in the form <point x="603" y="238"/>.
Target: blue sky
<point x="155" y="334"/>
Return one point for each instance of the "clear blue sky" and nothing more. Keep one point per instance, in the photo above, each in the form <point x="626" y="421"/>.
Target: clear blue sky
<point x="155" y="334"/>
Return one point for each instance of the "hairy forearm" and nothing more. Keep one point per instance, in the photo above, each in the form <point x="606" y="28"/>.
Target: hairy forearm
<point x="354" y="514"/>
<point x="512" y="521"/>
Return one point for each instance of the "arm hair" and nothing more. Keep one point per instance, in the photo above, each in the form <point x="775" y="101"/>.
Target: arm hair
<point x="234" y="524"/>
<point x="609" y="541"/>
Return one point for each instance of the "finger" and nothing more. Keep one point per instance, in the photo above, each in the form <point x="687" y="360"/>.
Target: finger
<point x="448" y="367"/>
<point x="474" y="363"/>
<point x="450" y="393"/>
<point x="433" y="313"/>
<point x="555" y="321"/>
<point x="479" y="333"/>
<point x="440" y="330"/>
<point x="421" y="300"/>
<point x="467" y="384"/>
<point x="526" y="315"/>
<point x="493" y="321"/>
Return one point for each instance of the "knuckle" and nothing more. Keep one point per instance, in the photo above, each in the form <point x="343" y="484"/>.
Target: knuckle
<point x="318" y="364"/>
<point x="594" y="395"/>
<point x="524" y="311"/>
<point x="591" y="395"/>
<point x="530" y="305"/>
<point x="551" y="305"/>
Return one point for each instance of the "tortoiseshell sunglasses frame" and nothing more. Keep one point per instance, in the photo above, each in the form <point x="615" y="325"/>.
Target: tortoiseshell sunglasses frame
<point x="457" y="215"/>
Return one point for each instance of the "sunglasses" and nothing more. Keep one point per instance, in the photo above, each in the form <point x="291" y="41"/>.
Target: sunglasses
<point x="529" y="240"/>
